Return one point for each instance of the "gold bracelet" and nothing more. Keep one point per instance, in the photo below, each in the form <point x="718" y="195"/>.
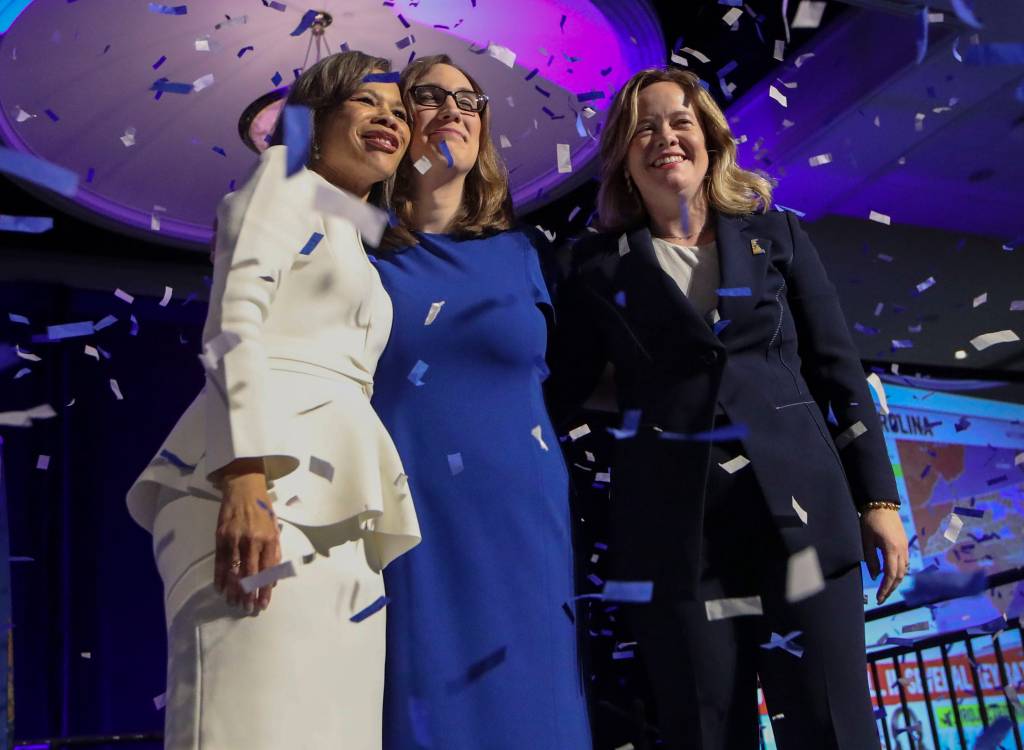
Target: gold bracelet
<point x="879" y="505"/>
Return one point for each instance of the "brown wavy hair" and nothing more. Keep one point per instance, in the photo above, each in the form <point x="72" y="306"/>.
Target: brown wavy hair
<point x="324" y="87"/>
<point x="486" y="202"/>
<point x="727" y="187"/>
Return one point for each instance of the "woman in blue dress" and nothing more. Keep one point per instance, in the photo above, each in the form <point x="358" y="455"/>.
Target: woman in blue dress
<point x="482" y="651"/>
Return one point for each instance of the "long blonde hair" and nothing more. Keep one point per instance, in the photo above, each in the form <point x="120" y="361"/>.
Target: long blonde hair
<point x="324" y="87"/>
<point x="486" y="202"/>
<point x="727" y="187"/>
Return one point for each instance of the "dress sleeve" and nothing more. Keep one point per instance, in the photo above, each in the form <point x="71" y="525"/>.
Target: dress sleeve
<point x="833" y="372"/>
<point x="262" y="230"/>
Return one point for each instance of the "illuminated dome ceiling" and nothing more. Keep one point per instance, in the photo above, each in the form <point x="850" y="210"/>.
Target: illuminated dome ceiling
<point x="77" y="78"/>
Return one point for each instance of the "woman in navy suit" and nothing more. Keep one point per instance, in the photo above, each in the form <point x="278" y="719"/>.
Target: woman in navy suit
<point x="751" y="476"/>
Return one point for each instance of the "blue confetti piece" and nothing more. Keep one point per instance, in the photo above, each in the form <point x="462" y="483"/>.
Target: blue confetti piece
<point x="135" y="326"/>
<point x="165" y="86"/>
<point x="992" y="736"/>
<point x="175" y="461"/>
<point x="307" y="20"/>
<point x="405" y="41"/>
<point x="551" y="114"/>
<point x="922" y="35"/>
<point x="965" y="13"/>
<point x="245" y="49"/>
<point x="589" y="96"/>
<point x="38" y="172"/>
<point x="455" y="465"/>
<point x="90" y="174"/>
<point x="728" y="68"/>
<point x="276" y="78"/>
<point x="735" y="291"/>
<point x="219" y="150"/>
<point x="16" y="318"/>
<point x="26" y="224"/>
<point x="168" y="10"/>
<point x="22" y="373"/>
<point x="568" y="612"/>
<point x="274" y="5"/>
<point x="620" y="299"/>
<point x="531" y="74"/>
<point x="962" y="424"/>
<point x="969" y="512"/>
<point x="995" y="53"/>
<point x="628" y="591"/>
<point x="618" y="655"/>
<point x="780" y="207"/>
<point x="581" y="129"/>
<point x="52" y="115"/>
<point x="446" y="153"/>
<point x="106" y="322"/>
<point x="480" y="668"/>
<point x="866" y="330"/>
<point x="902" y="344"/>
<point x="542" y="91"/>
<point x="718" y="327"/>
<point x="161" y="61"/>
<point x="392" y="77"/>
<point x="377" y="606"/>
<point x="415" y="375"/>
<point x="70" y="330"/>
<point x="630" y="424"/>
<point x="561" y="24"/>
<point x="402" y="19"/>
<point x="298" y="134"/>
<point x="311" y="243"/>
<point x="933" y="585"/>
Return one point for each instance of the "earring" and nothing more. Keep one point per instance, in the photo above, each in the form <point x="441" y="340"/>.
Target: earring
<point x="316" y="151"/>
<point x="629" y="182"/>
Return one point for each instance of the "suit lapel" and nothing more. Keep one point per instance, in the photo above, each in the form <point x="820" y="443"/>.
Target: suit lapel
<point x="742" y="258"/>
<point x="653" y="297"/>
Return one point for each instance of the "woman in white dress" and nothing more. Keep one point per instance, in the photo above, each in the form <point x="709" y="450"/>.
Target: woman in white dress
<point x="281" y="461"/>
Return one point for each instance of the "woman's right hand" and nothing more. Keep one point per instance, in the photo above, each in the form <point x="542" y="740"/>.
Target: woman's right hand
<point x="248" y="538"/>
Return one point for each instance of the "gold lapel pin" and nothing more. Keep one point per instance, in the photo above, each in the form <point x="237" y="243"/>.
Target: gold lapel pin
<point x="756" y="248"/>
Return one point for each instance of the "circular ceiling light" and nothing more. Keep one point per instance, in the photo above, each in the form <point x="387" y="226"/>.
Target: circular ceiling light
<point x="142" y="100"/>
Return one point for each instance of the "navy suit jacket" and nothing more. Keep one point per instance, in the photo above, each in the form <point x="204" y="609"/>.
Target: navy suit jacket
<point x="784" y="358"/>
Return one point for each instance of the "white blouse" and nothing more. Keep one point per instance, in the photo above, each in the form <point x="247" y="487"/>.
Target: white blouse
<point x="694" y="269"/>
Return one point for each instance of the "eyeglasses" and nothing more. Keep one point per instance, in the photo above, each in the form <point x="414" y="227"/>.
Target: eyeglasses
<point x="434" y="96"/>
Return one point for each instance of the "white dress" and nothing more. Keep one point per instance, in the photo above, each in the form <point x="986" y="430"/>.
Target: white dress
<point x="297" y="321"/>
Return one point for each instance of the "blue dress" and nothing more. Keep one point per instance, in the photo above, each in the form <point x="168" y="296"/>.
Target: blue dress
<point x="481" y="653"/>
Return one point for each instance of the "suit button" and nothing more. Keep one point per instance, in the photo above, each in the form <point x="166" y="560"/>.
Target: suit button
<point x="709" y="357"/>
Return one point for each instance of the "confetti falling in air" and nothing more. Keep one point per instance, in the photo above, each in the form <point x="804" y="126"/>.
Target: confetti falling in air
<point x="433" y="312"/>
<point x="446" y="153"/>
<point x="808" y="14"/>
<point x="321" y="468"/>
<point x="168" y="10"/>
<point x="415" y="375"/>
<point x="785" y="642"/>
<point x="536" y="432"/>
<point x="778" y="96"/>
<point x="639" y="592"/>
<point x="800" y="512"/>
<point x="563" y="158"/>
<point x="43" y="463"/>
<point x="742" y="606"/>
<point x="376" y="606"/>
<point x="422" y="165"/>
<point x="803" y="575"/>
<point x="455" y="465"/>
<point x="311" y="243"/>
<point x="116" y="389"/>
<point x="502" y="54"/>
<point x="577" y="432"/>
<point x="167" y="296"/>
<point x="985" y="340"/>
<point x="268" y="576"/>
<point x="953" y="529"/>
<point x="880" y="218"/>
<point x="26" y="224"/>
<point x="850" y="434"/>
<point x="735" y="464"/>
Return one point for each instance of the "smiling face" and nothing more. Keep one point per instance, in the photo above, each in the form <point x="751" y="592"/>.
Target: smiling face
<point x="460" y="130"/>
<point x="363" y="140"/>
<point x="667" y="157"/>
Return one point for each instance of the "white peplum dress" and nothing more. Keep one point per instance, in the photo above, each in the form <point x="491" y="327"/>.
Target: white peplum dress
<point x="297" y="321"/>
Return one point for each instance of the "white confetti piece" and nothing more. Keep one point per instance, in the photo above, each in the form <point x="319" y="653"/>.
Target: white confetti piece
<point x="936" y="17"/>
<point x="564" y="157"/>
<point x="735" y="464"/>
<point x="926" y="284"/>
<point x="985" y="340"/>
<point x="124" y="296"/>
<point x="160" y="701"/>
<point x="803" y="575"/>
<point x="21" y="115"/>
<point x="167" y="296"/>
<point x="623" y="244"/>
<point x="203" y="82"/>
<point x="116" y="390"/>
<point x="502" y="54"/>
<point x="433" y="312"/>
<point x="268" y="576"/>
<point x="778" y="96"/>
<point x="850" y="434"/>
<point x="215" y="350"/>
<point x="780" y="48"/>
<point x="43" y="463"/>
<point x="202" y="45"/>
<point x="536" y="432"/>
<point x="808" y="14"/>
<point x="880" y="218"/>
<point x="740" y="606"/>
<point x="603" y="476"/>
<point x="1018" y="459"/>
<point x="24" y="418"/>
<point x="87" y="654"/>
<point x="627" y="746"/>
<point x="128" y="139"/>
<point x="878" y="308"/>
<point x="980" y="300"/>
<point x="1011" y="696"/>
<point x="577" y="432"/>
<point x="154" y="223"/>
<point x="422" y="165"/>
<point x="590" y="456"/>
<point x="919" y="122"/>
<point x="960" y="354"/>
<point x="27" y="355"/>
<point x="504" y="141"/>
<point x="321" y="468"/>
<point x="952" y="532"/>
<point x="800" y="512"/>
<point x="679" y="60"/>
<point x="696" y="53"/>
<point x="876" y="385"/>
<point x="817" y="161"/>
<point x="732" y="16"/>
<point x="369" y="220"/>
<point x="1017" y="305"/>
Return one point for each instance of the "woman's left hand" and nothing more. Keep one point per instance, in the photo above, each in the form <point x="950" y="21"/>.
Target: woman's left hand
<point x="881" y="530"/>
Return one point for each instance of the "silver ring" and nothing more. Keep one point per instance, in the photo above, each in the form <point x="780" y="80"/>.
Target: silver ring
<point x="236" y="564"/>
